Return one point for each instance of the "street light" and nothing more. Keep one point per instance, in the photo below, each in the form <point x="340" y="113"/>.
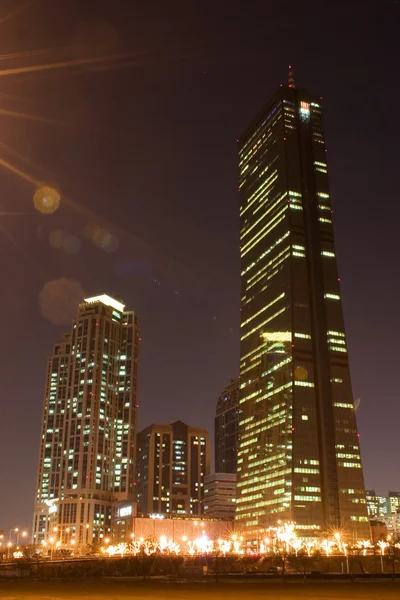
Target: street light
<point x="22" y="534"/>
<point x="11" y="530"/>
<point x="51" y="540"/>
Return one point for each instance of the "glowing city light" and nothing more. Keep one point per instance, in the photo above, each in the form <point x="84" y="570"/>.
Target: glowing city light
<point x="382" y="545"/>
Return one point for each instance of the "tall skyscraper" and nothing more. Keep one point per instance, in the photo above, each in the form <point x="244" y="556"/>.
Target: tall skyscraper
<point x="172" y="463"/>
<point x="88" y="438"/>
<point x="226" y="429"/>
<point x="299" y="455"/>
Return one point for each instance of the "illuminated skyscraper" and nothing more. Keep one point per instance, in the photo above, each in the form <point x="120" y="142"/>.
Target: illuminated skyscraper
<point x="88" y="438"/>
<point x="299" y="455"/>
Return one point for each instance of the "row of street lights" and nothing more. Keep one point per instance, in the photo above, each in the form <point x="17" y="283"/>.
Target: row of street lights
<point x="19" y="532"/>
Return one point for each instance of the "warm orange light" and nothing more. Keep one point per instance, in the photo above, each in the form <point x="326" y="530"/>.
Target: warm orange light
<point x="46" y="199"/>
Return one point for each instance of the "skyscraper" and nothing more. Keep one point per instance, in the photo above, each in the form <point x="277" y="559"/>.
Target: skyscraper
<point x="299" y="455"/>
<point x="226" y="429"/>
<point x="172" y="463"/>
<point x="88" y="437"/>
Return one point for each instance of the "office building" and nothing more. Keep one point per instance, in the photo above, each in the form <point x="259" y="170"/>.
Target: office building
<point x="382" y="506"/>
<point x="394" y="502"/>
<point x="88" y="437"/>
<point x="226" y="429"/>
<point x="220" y="495"/>
<point x="172" y="463"/>
<point x="299" y="455"/>
<point x="377" y="506"/>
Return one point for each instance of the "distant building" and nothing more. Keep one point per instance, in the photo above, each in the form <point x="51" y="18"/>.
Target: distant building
<point x="381" y="527"/>
<point x="88" y="434"/>
<point x="377" y="505"/>
<point x="226" y="429"/>
<point x="394" y="502"/>
<point x="172" y="463"/>
<point x="381" y="506"/>
<point x="220" y="495"/>
<point x="379" y="530"/>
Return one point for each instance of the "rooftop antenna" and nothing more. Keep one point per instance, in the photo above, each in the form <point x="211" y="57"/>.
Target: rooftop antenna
<point x="291" y="82"/>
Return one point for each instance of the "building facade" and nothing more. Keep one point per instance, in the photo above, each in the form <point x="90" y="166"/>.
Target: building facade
<point x="299" y="454"/>
<point x="172" y="463"/>
<point x="382" y="506"/>
<point x="88" y="437"/>
<point x="394" y="502"/>
<point x="226" y="429"/>
<point x="377" y="506"/>
<point x="220" y="495"/>
<point x="181" y="530"/>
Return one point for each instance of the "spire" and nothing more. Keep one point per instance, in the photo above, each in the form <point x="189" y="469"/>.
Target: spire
<point x="291" y="82"/>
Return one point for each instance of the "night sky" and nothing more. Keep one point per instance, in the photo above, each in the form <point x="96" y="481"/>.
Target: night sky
<point x="143" y="149"/>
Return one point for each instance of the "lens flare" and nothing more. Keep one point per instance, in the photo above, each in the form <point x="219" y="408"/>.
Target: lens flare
<point x="300" y="373"/>
<point x="46" y="199"/>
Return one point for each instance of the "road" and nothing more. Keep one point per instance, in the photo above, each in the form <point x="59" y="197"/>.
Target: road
<point x="232" y="590"/>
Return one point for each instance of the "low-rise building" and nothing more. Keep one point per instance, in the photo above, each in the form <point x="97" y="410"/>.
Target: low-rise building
<point x="128" y="528"/>
<point x="220" y="495"/>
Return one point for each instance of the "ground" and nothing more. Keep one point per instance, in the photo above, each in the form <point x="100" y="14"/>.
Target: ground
<point x="232" y="590"/>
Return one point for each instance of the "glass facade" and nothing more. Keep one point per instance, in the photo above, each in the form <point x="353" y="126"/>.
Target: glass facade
<point x="226" y="429"/>
<point x="299" y="455"/>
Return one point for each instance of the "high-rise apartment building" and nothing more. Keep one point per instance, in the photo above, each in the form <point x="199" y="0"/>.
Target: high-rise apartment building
<point x="172" y="463"/>
<point x="88" y="437"/>
<point x="299" y="454"/>
<point x="226" y="429"/>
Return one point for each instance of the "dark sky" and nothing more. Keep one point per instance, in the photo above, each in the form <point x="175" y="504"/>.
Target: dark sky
<point x="144" y="147"/>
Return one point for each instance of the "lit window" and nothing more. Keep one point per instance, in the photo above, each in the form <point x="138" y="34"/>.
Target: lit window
<point x="304" y="108"/>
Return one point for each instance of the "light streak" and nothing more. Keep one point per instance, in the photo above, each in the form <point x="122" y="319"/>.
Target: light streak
<point x="30" y="117"/>
<point x="16" y="12"/>
<point x="13" y="169"/>
<point x="63" y="64"/>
